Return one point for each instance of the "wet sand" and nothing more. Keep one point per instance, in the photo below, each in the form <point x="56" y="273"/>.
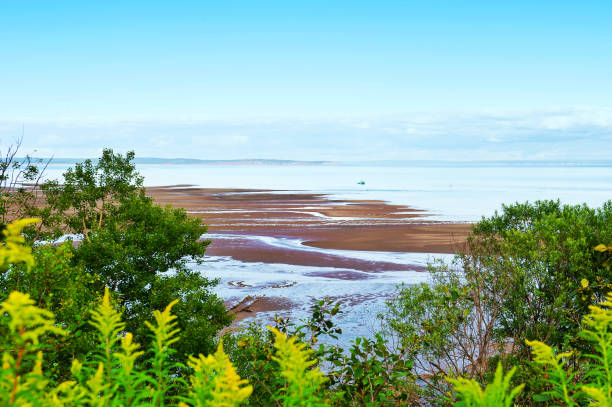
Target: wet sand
<point x="316" y="219"/>
<point x="237" y="217"/>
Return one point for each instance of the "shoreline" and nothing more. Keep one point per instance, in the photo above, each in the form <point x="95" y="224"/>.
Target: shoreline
<point x="301" y="228"/>
<point x="316" y="219"/>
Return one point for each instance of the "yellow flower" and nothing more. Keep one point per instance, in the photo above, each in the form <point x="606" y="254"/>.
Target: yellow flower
<point x="215" y="381"/>
<point x="13" y="249"/>
<point x="27" y="321"/>
<point x="296" y="365"/>
<point x="602" y="248"/>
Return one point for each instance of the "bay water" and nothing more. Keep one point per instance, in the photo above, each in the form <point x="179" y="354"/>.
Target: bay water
<point x="457" y="193"/>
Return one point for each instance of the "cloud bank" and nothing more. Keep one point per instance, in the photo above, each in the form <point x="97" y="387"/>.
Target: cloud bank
<point x="554" y="134"/>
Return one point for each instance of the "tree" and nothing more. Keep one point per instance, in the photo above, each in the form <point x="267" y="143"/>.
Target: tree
<point x="529" y="272"/>
<point x="139" y="250"/>
<point x="546" y="249"/>
<point x="90" y="193"/>
<point x="447" y="327"/>
<point x="118" y="371"/>
<point x="591" y="385"/>
<point x="20" y="194"/>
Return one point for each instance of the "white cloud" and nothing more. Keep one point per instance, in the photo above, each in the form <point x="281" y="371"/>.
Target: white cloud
<point x="544" y="134"/>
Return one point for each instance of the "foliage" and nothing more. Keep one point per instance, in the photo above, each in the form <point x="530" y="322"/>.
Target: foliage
<point x="302" y="382"/>
<point x="90" y="192"/>
<point x="21" y="377"/>
<point x="141" y="251"/>
<point x="498" y="393"/>
<point x="546" y="250"/>
<point x="215" y="382"/>
<point x="447" y="327"/>
<point x="371" y="373"/>
<point x="254" y="350"/>
<point x="602" y="248"/>
<point x="251" y="351"/>
<point x="545" y="253"/>
<point x="114" y="376"/>
<point x="523" y="275"/>
<point x="591" y="385"/>
<point x="55" y="284"/>
<point x="595" y="385"/>
<point x="13" y="250"/>
<point x="19" y="187"/>
<point x="555" y="367"/>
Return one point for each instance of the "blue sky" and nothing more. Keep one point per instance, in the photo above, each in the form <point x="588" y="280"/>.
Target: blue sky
<point x="309" y="80"/>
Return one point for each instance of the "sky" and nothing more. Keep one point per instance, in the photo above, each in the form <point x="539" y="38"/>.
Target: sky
<point x="309" y="80"/>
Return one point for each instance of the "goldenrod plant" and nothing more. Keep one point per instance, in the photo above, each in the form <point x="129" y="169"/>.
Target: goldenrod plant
<point x="591" y="385"/>
<point x="556" y="372"/>
<point x="119" y="373"/>
<point x="114" y="376"/>
<point x="214" y="381"/>
<point x="598" y="331"/>
<point x="498" y="393"/>
<point x="596" y="384"/>
<point x="303" y="382"/>
<point x="22" y="381"/>
<point x="164" y="334"/>
<point x="13" y="249"/>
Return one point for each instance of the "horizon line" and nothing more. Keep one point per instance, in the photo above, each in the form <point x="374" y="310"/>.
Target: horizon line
<point x="247" y="161"/>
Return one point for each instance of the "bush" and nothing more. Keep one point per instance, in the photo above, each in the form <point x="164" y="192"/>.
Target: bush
<point x="139" y="250"/>
<point x="55" y="284"/>
<point x="591" y="385"/>
<point x="253" y="351"/>
<point x="116" y="374"/>
<point x="528" y="276"/>
<point x="447" y="327"/>
<point x="521" y="277"/>
<point x="546" y="249"/>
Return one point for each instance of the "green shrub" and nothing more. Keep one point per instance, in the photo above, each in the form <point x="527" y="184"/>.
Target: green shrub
<point x="447" y="327"/>
<point x="546" y="249"/>
<point x="591" y="385"/>
<point x="521" y="276"/>
<point x="255" y="353"/>
<point x="371" y="373"/>
<point x="55" y="284"/>
<point x="139" y="250"/>
<point x="119" y="372"/>
<point x="498" y="393"/>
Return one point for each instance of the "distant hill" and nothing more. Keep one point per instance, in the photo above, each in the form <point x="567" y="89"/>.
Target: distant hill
<point x="195" y="161"/>
<point x="482" y="163"/>
<point x="374" y="163"/>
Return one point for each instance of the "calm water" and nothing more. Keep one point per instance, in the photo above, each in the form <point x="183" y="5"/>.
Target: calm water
<point x="451" y="193"/>
<point x="457" y="194"/>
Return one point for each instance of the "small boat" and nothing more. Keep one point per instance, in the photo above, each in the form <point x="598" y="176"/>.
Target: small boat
<point x="362" y="182"/>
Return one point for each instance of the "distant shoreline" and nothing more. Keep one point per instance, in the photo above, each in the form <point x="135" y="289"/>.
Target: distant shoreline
<point x="377" y="163"/>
